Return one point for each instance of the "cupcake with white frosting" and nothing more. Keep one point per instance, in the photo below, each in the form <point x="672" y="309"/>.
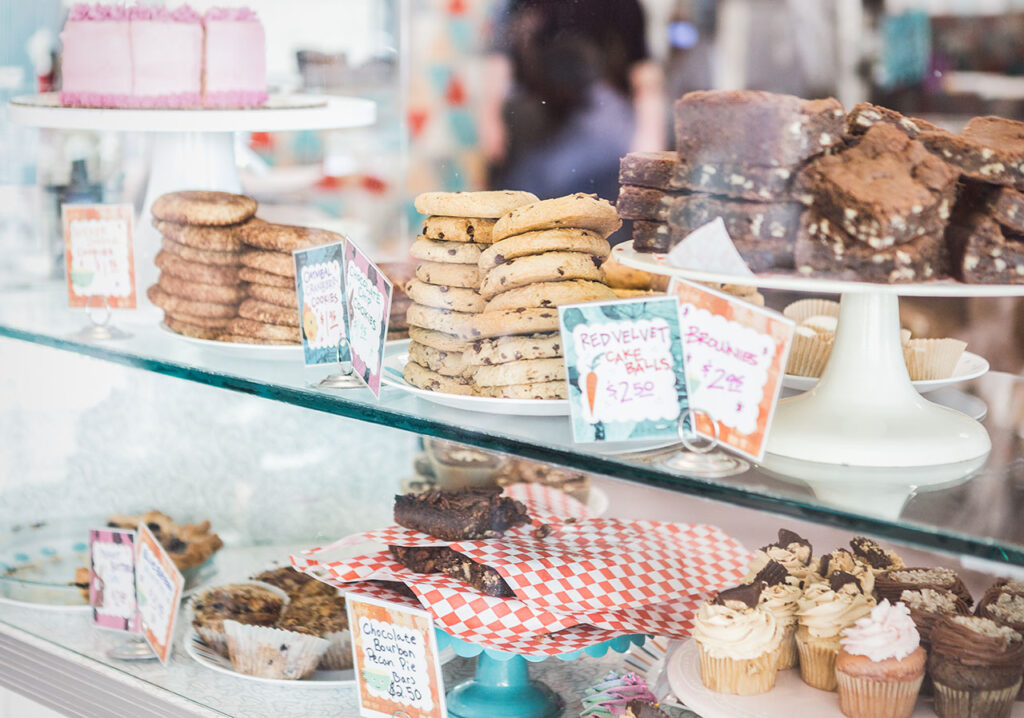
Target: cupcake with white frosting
<point x="823" y="612"/>
<point x="791" y="550"/>
<point x="845" y="561"/>
<point x="780" y="597"/>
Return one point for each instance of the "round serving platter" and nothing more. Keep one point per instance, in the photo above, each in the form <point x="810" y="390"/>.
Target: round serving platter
<point x="262" y="352"/>
<point x="970" y="366"/>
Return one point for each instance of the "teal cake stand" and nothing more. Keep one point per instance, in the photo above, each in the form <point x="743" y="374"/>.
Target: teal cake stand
<point x="502" y="688"/>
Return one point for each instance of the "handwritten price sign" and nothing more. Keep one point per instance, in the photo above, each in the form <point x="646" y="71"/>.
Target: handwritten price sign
<point x="98" y="252"/>
<point x="158" y="587"/>
<point x="624" y="363"/>
<point x="319" y="283"/>
<point x="368" y="304"/>
<point x="735" y="356"/>
<point x="395" y="656"/>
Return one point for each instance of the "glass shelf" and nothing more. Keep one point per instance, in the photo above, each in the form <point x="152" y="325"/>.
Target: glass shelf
<point x="978" y="517"/>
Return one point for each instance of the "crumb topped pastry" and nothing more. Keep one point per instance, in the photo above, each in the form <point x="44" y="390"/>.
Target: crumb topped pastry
<point x="189" y="545"/>
<point x="890" y="584"/>
<point x="248" y="604"/>
<point x="295" y="583"/>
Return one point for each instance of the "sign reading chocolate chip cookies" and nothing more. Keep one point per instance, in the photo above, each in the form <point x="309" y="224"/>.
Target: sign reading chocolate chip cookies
<point x="98" y="251"/>
<point x="736" y="356"/>
<point x="368" y="304"/>
<point x="625" y="368"/>
<point x="397" y="668"/>
<point x="320" y="285"/>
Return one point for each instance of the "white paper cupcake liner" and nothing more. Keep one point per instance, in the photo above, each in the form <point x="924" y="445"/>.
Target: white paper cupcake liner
<point x="930" y="359"/>
<point x="338" y="656"/>
<point x="273" y="652"/>
<point x="809" y="355"/>
<point x="216" y="639"/>
<point x="806" y="308"/>
<point x="866" y="698"/>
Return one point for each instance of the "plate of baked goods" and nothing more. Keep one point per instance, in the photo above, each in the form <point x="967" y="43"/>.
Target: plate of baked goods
<point x="209" y="658"/>
<point x="272" y="352"/>
<point x="969" y="366"/>
<point x="394" y="374"/>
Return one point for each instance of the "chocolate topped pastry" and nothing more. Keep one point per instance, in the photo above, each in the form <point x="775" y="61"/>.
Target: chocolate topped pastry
<point x="749" y="594"/>
<point x="928" y="605"/>
<point x="772" y="574"/>
<point x="791" y="550"/>
<point x="890" y="584"/>
<point x="840" y="579"/>
<point x="1001" y="586"/>
<point x="315" y="615"/>
<point x="874" y="555"/>
<point x="467" y="514"/>
<point x="842" y="561"/>
<point x="1006" y="610"/>
<point x="295" y="583"/>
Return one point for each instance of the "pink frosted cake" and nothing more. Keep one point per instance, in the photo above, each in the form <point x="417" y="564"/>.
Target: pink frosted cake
<point x="236" y="70"/>
<point x="149" y="56"/>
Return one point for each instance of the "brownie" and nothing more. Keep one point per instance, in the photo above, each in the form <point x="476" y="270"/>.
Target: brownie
<point x="983" y="252"/>
<point x="315" y="615"/>
<point x="864" y="116"/>
<point x="1006" y="206"/>
<point x="822" y="249"/>
<point x="749" y="127"/>
<point x="744" y="220"/>
<point x="651" y="236"/>
<point x="990" y="149"/>
<point x="441" y="559"/>
<point x="295" y="583"/>
<point x="649" y="169"/>
<point x="888" y="190"/>
<point x="467" y="514"/>
<point x="738" y="181"/>
<point x="644" y="203"/>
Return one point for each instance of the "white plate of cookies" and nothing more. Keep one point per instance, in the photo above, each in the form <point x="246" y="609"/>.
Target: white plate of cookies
<point x="272" y="352"/>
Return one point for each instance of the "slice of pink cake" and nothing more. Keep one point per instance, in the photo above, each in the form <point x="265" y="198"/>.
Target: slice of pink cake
<point x="235" y="73"/>
<point x="96" y="66"/>
<point x="167" y="56"/>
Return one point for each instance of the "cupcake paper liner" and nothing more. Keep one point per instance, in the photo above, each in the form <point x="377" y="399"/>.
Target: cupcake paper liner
<point x="929" y="359"/>
<point x="806" y="308"/>
<point x="866" y="698"/>
<point x="963" y="703"/>
<point x="788" y="655"/>
<point x="273" y="652"/>
<point x="338" y="656"/>
<point x="818" y="661"/>
<point x="215" y="638"/>
<point x="741" y="677"/>
<point x="808" y="355"/>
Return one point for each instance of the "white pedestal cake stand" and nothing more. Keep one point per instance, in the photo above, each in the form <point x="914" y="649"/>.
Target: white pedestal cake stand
<point x="863" y="437"/>
<point x="193" y="148"/>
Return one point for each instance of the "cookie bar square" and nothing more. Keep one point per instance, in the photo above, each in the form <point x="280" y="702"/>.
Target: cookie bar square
<point x="1003" y="204"/>
<point x="983" y="252"/>
<point x="885" y="191"/>
<point x="651" y="236"/>
<point x="649" y="169"/>
<point x="744" y="220"/>
<point x="441" y="559"/>
<point x="990" y="149"/>
<point x="644" y="203"/>
<point x="460" y="515"/>
<point x="749" y="127"/>
<point x="864" y="116"/>
<point x="738" y="181"/>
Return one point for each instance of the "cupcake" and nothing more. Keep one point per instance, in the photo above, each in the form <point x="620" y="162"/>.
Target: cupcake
<point x="890" y="584"/>
<point x="976" y="666"/>
<point x="268" y="652"/>
<point x="620" y="695"/>
<point x="295" y="583"/>
<point x="780" y="596"/>
<point x="879" y="559"/>
<point x="1000" y="587"/>
<point x="248" y="604"/>
<point x="823" y="612"/>
<point x="927" y="606"/>
<point x="737" y="642"/>
<point x="326" y="617"/>
<point x="930" y="359"/>
<point x="791" y="550"/>
<point x="880" y="665"/>
<point x="1007" y="609"/>
<point x="843" y="560"/>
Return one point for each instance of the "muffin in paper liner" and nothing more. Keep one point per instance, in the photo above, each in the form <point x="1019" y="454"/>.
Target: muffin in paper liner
<point x="212" y="633"/>
<point x="861" y="697"/>
<point x="930" y="359"/>
<point x="953" y="702"/>
<point x="338" y="656"/>
<point x="738" y="676"/>
<point x="788" y="655"/>
<point x="809" y="354"/>
<point x="268" y="652"/>
<point x="818" y="660"/>
<point x="806" y="308"/>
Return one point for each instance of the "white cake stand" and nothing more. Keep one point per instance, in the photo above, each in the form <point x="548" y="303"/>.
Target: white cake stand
<point x="863" y="437"/>
<point x="193" y="149"/>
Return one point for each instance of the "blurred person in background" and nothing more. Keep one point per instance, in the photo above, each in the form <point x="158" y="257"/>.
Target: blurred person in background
<point x="569" y="88"/>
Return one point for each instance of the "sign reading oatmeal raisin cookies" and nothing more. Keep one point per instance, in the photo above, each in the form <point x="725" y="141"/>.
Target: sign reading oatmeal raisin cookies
<point x="320" y="284"/>
<point x="112" y="579"/>
<point x="397" y="668"/>
<point x="98" y="254"/>
<point x="368" y="302"/>
<point x="158" y="586"/>
<point x="625" y="368"/>
<point x="736" y="356"/>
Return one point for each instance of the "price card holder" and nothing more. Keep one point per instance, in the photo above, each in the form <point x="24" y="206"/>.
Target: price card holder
<point x="368" y="302"/>
<point x="100" y="265"/>
<point x="397" y="668"/>
<point x="625" y="368"/>
<point x="158" y="587"/>
<point x="112" y="580"/>
<point x="736" y="356"/>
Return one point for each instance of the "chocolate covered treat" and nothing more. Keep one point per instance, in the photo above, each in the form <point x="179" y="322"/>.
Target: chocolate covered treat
<point x="928" y="605"/>
<point x="441" y="559"/>
<point x="983" y="252"/>
<point x="864" y="116"/>
<point x="738" y="181"/>
<point x="649" y="169"/>
<point x="747" y="127"/>
<point x="1001" y="586"/>
<point x="791" y="550"/>
<point x="990" y="149"/>
<point x="745" y="221"/>
<point x="878" y="558"/>
<point x="460" y="515"/>
<point x="888" y="190"/>
<point x="841" y="561"/>
<point x="890" y="584"/>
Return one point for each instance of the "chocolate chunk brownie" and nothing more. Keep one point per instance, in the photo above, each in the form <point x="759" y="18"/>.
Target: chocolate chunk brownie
<point x="745" y="221"/>
<point x="644" y="203"/>
<point x="990" y="149"/>
<point x="864" y="116"/>
<point x="761" y="255"/>
<point x="888" y="190"/>
<point x="649" y="169"/>
<point x="460" y="515"/>
<point x="1005" y="206"/>
<point x="823" y="249"/>
<point x="739" y="181"/>
<point x="651" y="236"/>
<point x="983" y="252"/>
<point x="441" y="559"/>
<point x="747" y="127"/>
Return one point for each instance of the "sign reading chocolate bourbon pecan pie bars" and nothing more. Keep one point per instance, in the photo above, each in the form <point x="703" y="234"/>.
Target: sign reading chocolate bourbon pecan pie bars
<point x="625" y="368"/>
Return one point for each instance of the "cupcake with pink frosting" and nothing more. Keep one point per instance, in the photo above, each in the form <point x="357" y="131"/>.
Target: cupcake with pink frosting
<point x="881" y="664"/>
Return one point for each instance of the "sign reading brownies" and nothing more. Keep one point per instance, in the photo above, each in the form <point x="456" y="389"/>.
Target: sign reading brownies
<point x="320" y="285"/>
<point x="368" y="303"/>
<point x="736" y="356"/>
<point x="158" y="587"/>
<point x="98" y="250"/>
<point x="625" y="368"/>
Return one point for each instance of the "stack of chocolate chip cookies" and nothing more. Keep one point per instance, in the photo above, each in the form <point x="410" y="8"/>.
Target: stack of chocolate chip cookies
<point x="270" y="312"/>
<point x="445" y="291"/>
<point x="199" y="287"/>
<point x="543" y="255"/>
<point x="399" y="273"/>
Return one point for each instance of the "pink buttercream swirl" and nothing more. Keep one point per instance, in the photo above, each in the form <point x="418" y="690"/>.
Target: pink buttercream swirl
<point x="238" y="14"/>
<point x="84" y="12"/>
<point x="887" y="632"/>
<point x="160" y="13"/>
